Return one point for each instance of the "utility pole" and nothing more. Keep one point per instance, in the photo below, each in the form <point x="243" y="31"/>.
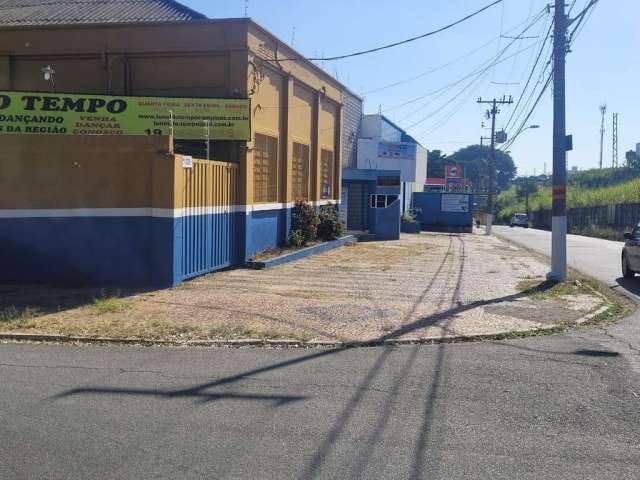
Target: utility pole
<point x="559" y="202"/>
<point x="491" y="114"/>
<point x="526" y="198"/>
<point x="603" y="111"/>
<point x="614" y="134"/>
<point x="482" y="139"/>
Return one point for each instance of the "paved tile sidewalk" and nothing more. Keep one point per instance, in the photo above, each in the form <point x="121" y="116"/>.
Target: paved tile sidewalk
<point x="421" y="285"/>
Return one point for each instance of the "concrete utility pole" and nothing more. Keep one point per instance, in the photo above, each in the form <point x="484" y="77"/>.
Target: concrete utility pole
<point x="614" y="134"/>
<point x="559" y="204"/>
<point x="526" y="198"/>
<point x="603" y="111"/>
<point x="491" y="114"/>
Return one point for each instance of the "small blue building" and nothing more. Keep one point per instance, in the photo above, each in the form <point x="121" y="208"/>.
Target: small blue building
<point x="370" y="203"/>
<point x="448" y="212"/>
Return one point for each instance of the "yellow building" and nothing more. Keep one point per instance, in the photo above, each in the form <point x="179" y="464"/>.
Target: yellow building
<point x="159" y="48"/>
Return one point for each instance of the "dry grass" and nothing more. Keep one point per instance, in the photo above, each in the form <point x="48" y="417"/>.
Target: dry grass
<point x="111" y="305"/>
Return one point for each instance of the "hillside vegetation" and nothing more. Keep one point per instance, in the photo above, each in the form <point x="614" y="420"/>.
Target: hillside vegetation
<point x="584" y="189"/>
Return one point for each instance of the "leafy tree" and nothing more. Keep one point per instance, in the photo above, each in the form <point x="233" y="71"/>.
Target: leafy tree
<point x="475" y="161"/>
<point x="526" y="186"/>
<point x="436" y="162"/>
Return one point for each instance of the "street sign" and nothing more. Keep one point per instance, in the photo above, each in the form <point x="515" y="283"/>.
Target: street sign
<point x="453" y="171"/>
<point x="456" y="203"/>
<point x="569" y="143"/>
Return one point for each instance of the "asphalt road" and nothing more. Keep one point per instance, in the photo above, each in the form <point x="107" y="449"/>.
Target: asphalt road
<point x="551" y="407"/>
<point x="592" y="256"/>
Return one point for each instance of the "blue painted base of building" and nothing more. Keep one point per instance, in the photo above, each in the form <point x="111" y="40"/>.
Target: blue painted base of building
<point x="134" y="251"/>
<point x="78" y="251"/>
<point x="302" y="253"/>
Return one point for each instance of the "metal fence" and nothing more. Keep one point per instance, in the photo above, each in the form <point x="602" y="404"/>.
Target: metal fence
<point x="620" y="218"/>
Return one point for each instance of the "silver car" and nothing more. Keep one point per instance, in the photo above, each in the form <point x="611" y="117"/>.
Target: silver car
<point x="520" y="220"/>
<point x="631" y="253"/>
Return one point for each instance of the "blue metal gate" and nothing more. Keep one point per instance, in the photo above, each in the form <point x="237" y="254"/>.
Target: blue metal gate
<point x="211" y="218"/>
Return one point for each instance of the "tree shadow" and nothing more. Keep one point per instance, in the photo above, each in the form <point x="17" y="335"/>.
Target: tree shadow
<point x="433" y="383"/>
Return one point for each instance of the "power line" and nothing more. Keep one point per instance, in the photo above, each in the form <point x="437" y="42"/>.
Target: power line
<point x="526" y="119"/>
<point x="402" y="42"/>
<point x="433" y="70"/>
<point x="479" y="71"/>
<point x="546" y="38"/>
<point x="452" y="62"/>
<point x="443" y="90"/>
<point x="440" y="123"/>
<point x="580" y="19"/>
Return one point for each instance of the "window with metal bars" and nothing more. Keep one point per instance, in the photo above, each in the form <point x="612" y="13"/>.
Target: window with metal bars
<point x="300" y="171"/>
<point x="265" y="169"/>
<point x="326" y="174"/>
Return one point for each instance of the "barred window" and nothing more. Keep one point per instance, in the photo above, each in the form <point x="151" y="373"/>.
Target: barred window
<point x="265" y="169"/>
<point x="326" y="174"/>
<point x="300" y="171"/>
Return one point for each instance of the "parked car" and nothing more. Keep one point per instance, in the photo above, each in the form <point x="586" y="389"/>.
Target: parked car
<point x="631" y="253"/>
<point x="520" y="220"/>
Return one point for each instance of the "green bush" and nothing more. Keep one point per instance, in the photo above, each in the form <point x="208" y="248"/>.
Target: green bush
<point x="409" y="218"/>
<point x="304" y="219"/>
<point x="296" y="238"/>
<point x="331" y="227"/>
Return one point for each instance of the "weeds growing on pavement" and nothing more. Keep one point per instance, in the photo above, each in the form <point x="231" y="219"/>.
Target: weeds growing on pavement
<point x="110" y="305"/>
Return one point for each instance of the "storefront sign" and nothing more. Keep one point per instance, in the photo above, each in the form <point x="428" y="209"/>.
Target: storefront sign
<point x="456" y="203"/>
<point x="63" y="114"/>
<point x="406" y="151"/>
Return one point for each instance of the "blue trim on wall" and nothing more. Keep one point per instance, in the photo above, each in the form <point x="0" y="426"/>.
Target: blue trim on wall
<point x="83" y="250"/>
<point x="134" y="251"/>
<point x="266" y="229"/>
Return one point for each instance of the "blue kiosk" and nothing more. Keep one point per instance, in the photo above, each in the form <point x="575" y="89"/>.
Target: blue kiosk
<point x="370" y="203"/>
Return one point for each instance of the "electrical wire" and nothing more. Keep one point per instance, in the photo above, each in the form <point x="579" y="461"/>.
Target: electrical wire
<point x="586" y="13"/>
<point x="452" y="62"/>
<point x="395" y="44"/>
<point x="443" y="90"/>
<point x="478" y="71"/>
<point x="467" y="86"/>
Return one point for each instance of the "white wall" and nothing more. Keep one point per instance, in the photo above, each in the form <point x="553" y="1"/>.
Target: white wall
<point x="371" y="126"/>
<point x="411" y="170"/>
<point x="389" y="133"/>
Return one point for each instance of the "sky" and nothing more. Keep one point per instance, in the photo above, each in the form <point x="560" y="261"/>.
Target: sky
<point x="603" y="67"/>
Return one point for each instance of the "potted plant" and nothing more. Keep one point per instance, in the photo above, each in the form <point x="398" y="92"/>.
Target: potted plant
<point x="409" y="223"/>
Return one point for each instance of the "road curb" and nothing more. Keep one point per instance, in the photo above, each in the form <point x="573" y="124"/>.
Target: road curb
<point x="281" y="343"/>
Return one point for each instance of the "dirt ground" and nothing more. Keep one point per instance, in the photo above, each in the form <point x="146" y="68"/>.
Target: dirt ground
<point x="419" y="286"/>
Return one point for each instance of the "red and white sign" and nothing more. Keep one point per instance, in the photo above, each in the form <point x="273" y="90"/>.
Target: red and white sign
<point x="453" y="171"/>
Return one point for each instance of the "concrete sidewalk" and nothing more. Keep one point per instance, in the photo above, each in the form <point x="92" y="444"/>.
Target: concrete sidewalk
<point x="422" y="286"/>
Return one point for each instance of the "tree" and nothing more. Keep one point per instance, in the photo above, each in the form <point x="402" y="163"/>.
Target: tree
<point x="436" y="162"/>
<point x="633" y="160"/>
<point x="475" y="161"/>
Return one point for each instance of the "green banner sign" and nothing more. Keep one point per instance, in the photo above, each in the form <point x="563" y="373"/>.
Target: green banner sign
<point x="63" y="114"/>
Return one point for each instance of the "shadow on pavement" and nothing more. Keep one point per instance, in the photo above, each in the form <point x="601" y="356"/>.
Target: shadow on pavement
<point x="424" y="457"/>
